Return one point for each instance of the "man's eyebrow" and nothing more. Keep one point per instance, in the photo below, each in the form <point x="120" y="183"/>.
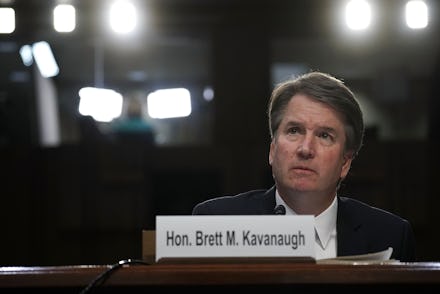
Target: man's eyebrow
<point x="328" y="129"/>
<point x="323" y="127"/>
<point x="293" y="123"/>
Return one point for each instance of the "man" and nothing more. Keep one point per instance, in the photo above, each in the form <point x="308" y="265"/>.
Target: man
<point x="316" y="129"/>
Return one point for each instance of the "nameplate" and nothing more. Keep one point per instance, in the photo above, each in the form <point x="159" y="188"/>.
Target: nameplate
<point x="257" y="236"/>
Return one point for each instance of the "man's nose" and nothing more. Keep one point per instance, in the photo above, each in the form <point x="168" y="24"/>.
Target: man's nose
<point x="306" y="148"/>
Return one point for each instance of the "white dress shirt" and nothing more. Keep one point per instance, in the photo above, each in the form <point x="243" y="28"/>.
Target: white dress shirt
<point x="325" y="228"/>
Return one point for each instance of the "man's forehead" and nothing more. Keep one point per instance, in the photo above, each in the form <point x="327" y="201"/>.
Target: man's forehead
<point x="303" y="109"/>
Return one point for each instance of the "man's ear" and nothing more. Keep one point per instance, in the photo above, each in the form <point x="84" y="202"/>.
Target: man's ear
<point x="271" y="152"/>
<point x="346" y="163"/>
<point x="348" y="156"/>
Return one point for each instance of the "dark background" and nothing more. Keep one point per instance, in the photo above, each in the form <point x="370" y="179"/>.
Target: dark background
<point x="86" y="199"/>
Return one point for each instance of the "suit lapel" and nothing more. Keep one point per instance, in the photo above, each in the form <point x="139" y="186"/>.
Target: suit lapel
<point x="268" y="202"/>
<point x="351" y="237"/>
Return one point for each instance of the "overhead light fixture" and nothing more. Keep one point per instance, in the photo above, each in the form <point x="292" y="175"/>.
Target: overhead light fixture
<point x="26" y="55"/>
<point x="208" y="93"/>
<point x="64" y="18"/>
<point x="169" y="103"/>
<point x="102" y="104"/>
<point x="44" y="59"/>
<point x="358" y="14"/>
<point x="416" y="12"/>
<point x="7" y="20"/>
<point x="123" y="17"/>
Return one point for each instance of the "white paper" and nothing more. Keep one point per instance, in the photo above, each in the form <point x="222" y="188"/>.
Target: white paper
<point x="369" y="258"/>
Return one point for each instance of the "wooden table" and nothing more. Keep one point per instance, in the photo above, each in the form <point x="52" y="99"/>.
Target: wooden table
<point x="419" y="277"/>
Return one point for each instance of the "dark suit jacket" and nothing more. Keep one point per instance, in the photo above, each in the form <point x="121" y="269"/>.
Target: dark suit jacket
<point x="361" y="228"/>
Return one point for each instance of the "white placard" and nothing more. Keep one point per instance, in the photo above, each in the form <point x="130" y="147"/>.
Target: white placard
<point x="212" y="236"/>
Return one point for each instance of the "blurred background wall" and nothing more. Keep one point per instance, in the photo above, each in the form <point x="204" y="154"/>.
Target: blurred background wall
<point x="74" y="191"/>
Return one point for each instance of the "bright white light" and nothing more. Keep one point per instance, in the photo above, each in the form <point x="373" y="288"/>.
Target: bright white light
<point x="416" y="13"/>
<point x="7" y="20"/>
<point x="167" y="103"/>
<point x="64" y="19"/>
<point x="45" y="60"/>
<point x="26" y="55"/>
<point x="123" y="17"/>
<point x="102" y="104"/>
<point x="358" y="14"/>
<point x="208" y="93"/>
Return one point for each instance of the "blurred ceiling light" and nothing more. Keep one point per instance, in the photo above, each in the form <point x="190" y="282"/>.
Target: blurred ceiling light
<point x="168" y="103"/>
<point x="44" y="59"/>
<point x="416" y="13"/>
<point x="64" y="18"/>
<point x="123" y="17"/>
<point x="208" y="93"/>
<point x="26" y="55"/>
<point x="102" y="104"/>
<point x="358" y="14"/>
<point x="7" y="20"/>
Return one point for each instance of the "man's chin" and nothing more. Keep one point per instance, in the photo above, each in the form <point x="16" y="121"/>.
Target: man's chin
<point x="302" y="187"/>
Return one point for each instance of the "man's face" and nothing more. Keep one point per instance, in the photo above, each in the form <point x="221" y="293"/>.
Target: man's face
<point x="307" y="152"/>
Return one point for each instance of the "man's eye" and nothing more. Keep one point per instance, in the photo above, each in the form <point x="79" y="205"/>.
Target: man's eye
<point x="325" y="135"/>
<point x="293" y="130"/>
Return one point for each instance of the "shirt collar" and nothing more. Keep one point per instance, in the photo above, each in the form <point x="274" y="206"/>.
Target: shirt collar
<point x="325" y="222"/>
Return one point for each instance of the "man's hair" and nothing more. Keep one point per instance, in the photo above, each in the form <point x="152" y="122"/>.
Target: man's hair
<point x="322" y="88"/>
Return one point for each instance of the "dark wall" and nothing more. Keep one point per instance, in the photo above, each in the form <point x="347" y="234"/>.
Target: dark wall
<point x="84" y="204"/>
